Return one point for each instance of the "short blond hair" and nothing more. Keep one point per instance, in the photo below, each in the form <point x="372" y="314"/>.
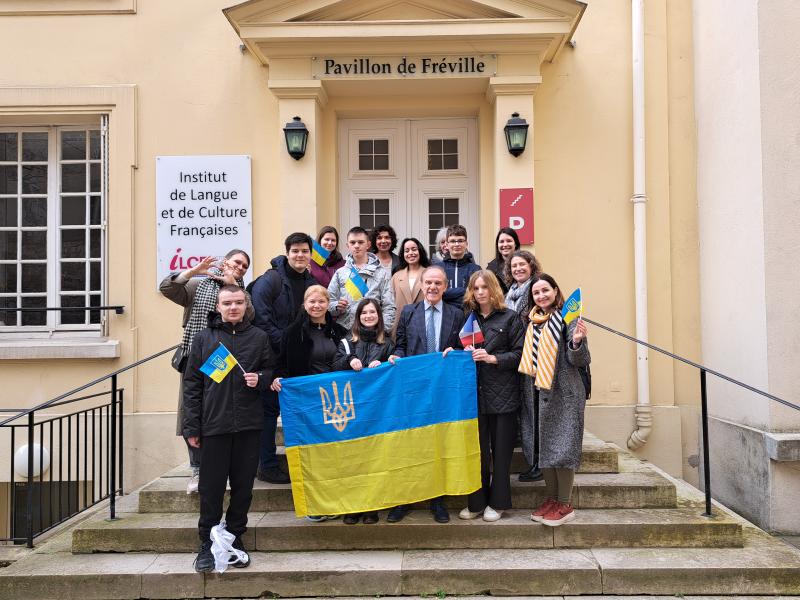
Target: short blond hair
<point x="496" y="298"/>
<point x="317" y="289"/>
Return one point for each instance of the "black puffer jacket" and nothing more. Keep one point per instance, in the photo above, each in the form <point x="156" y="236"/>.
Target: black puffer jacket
<point x="366" y="349"/>
<point x="295" y="358"/>
<point x="212" y="408"/>
<point x="498" y="385"/>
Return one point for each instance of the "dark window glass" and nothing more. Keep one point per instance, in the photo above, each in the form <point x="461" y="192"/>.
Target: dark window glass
<point x="34" y="212"/>
<point x="432" y="235"/>
<point x="8" y="212"/>
<point x="450" y="146"/>
<point x="381" y="146"/>
<point x="451" y="219"/>
<point x="8" y="146"/>
<point x="34" y="179"/>
<point x="94" y="210"/>
<point x="94" y="315"/>
<point x="8" y="318"/>
<point x="34" y="146"/>
<point x="365" y="162"/>
<point x="434" y="162"/>
<point x="73" y="145"/>
<point x="73" y="210"/>
<point x="382" y="205"/>
<point x="34" y="277"/>
<point x="434" y="146"/>
<point x="365" y="205"/>
<point x="73" y="178"/>
<point x="94" y="178"/>
<point x="8" y="279"/>
<point x="94" y="276"/>
<point x="366" y="221"/>
<point x="94" y="243"/>
<point x="381" y="163"/>
<point x="450" y="161"/>
<point x="365" y="146"/>
<point x="8" y="179"/>
<point x="73" y="243"/>
<point x="34" y="245"/>
<point x="8" y="245"/>
<point x="73" y="277"/>
<point x="435" y="205"/>
<point x="94" y="144"/>
<point x="451" y="205"/>
<point x="436" y="221"/>
<point x="73" y="317"/>
<point x="34" y="318"/>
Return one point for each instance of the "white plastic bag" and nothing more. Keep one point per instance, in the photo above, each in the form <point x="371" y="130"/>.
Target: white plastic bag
<point x="224" y="553"/>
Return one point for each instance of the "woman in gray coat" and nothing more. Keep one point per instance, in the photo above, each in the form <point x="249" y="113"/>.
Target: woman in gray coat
<point x="552" y="353"/>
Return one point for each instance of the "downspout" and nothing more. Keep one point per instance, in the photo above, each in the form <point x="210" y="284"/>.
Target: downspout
<point x="644" y="420"/>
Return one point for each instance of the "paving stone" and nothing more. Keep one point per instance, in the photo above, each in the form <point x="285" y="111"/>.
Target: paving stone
<point x="500" y="572"/>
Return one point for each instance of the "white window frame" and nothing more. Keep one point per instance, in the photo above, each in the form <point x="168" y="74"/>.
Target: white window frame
<point x="53" y="328"/>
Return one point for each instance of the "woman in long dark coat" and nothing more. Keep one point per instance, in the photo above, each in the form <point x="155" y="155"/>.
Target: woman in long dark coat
<point x="552" y="354"/>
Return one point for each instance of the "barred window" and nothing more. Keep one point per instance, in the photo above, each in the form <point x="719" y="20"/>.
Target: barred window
<point x="52" y="182"/>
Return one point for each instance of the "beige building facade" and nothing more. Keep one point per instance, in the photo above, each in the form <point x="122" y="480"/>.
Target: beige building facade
<point x="97" y="91"/>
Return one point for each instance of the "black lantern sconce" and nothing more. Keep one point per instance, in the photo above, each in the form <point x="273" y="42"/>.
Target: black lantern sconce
<point x="296" y="138"/>
<point x="516" y="130"/>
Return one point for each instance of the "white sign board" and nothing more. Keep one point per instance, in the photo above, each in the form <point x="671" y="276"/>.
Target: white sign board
<point x="203" y="208"/>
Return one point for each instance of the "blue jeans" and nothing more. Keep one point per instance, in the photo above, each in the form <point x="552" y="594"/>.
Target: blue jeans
<point x="272" y="408"/>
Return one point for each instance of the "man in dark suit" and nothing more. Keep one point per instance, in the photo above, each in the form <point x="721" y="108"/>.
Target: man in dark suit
<point x="425" y="327"/>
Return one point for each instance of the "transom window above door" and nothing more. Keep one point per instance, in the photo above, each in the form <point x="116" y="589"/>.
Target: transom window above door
<point x="373" y="155"/>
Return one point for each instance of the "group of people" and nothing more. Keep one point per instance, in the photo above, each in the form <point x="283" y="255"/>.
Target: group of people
<point x="298" y="318"/>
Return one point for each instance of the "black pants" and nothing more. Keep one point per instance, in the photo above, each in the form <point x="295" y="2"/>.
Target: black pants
<point x="497" y="434"/>
<point x="234" y="457"/>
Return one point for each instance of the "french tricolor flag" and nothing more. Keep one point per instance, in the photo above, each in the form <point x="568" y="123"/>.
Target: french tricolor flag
<point x="471" y="334"/>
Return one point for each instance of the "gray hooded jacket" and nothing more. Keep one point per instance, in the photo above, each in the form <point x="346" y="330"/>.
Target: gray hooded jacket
<point x="379" y="284"/>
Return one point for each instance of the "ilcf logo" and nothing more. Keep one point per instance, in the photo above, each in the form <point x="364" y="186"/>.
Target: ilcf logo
<point x="181" y="263"/>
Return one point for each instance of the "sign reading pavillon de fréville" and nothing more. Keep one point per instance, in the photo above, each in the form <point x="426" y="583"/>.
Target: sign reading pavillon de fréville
<point x="363" y="67"/>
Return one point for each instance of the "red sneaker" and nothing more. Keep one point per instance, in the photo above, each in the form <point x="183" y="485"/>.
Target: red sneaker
<point x="543" y="509"/>
<point x="558" y="515"/>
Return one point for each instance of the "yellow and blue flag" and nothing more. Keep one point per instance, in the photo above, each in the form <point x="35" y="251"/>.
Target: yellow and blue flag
<point x="355" y="285"/>
<point x="377" y="438"/>
<point x="573" y="307"/>
<point x="318" y="254"/>
<point x="219" y="364"/>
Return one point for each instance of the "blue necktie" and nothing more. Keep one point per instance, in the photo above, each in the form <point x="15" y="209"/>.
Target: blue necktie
<point x="430" y="330"/>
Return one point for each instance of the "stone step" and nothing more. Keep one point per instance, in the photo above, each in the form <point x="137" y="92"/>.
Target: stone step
<point x="282" y="531"/>
<point x="763" y="566"/>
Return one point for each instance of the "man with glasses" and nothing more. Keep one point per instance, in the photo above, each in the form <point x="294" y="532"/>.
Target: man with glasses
<point x="458" y="265"/>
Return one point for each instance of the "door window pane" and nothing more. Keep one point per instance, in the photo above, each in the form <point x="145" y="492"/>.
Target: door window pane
<point x="34" y="212"/>
<point x="35" y="317"/>
<point x="8" y="245"/>
<point x="442" y="154"/>
<point x="94" y="144"/>
<point x="8" y="146"/>
<point x="8" y="212"/>
<point x="373" y="155"/>
<point x="441" y="213"/>
<point x="34" y="179"/>
<point x="73" y="145"/>
<point x="73" y="210"/>
<point x="73" y="317"/>
<point x="34" y="146"/>
<point x="8" y="279"/>
<point x="34" y="245"/>
<point x="73" y="243"/>
<point x="73" y="178"/>
<point x="94" y="315"/>
<point x="8" y="317"/>
<point x="8" y="179"/>
<point x="34" y="277"/>
<point x="372" y="212"/>
<point x="73" y="276"/>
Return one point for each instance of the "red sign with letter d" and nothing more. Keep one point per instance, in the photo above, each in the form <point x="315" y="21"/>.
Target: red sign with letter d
<point x="516" y="212"/>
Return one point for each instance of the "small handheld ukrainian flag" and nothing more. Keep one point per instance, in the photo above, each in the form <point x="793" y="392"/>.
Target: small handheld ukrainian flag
<point x="573" y="307"/>
<point x="219" y="364"/>
<point x="318" y="254"/>
<point x="355" y="285"/>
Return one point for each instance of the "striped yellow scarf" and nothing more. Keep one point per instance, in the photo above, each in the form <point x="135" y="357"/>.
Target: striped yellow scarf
<point x="541" y="347"/>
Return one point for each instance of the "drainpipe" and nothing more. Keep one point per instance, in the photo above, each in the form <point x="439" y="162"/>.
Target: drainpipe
<point x="644" y="420"/>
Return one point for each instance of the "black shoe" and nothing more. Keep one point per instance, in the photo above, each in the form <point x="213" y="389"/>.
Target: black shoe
<point x="204" y="562"/>
<point x="398" y="513"/>
<point x="272" y="475"/>
<point x="370" y="518"/>
<point x="240" y="564"/>
<point x="440" y="514"/>
<point x="351" y="519"/>
<point x="532" y="474"/>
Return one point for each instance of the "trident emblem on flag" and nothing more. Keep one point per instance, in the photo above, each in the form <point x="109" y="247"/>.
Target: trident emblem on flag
<point x="341" y="412"/>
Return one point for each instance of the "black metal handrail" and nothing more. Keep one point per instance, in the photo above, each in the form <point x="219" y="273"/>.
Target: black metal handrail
<point x="109" y="432"/>
<point x="703" y="397"/>
<point x="117" y="309"/>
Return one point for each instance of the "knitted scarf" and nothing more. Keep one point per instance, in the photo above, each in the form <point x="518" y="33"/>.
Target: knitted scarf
<point x="205" y="301"/>
<point x="540" y="350"/>
<point x="515" y="298"/>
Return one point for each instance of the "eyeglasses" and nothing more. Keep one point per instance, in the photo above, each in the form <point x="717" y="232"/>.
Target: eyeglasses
<point x="457" y="242"/>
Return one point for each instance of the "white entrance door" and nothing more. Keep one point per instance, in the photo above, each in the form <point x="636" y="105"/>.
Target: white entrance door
<point x="416" y="175"/>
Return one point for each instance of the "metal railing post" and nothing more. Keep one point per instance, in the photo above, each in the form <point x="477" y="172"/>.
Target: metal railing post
<point x="121" y="442"/>
<point x="29" y="515"/>
<point x="112" y="480"/>
<point x="706" y="460"/>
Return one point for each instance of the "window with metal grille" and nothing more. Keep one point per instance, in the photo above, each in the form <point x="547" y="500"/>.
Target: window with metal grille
<point x="373" y="155"/>
<point x="441" y="213"/>
<point x="442" y="154"/>
<point x="52" y="196"/>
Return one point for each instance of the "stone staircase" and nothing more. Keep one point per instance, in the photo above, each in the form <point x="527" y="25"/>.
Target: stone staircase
<point x="637" y="531"/>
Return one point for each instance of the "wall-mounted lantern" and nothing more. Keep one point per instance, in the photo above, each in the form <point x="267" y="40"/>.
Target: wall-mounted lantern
<point x="296" y="138"/>
<point x="516" y="130"/>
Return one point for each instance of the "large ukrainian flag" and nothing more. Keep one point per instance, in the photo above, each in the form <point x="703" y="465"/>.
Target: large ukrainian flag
<point x="358" y="441"/>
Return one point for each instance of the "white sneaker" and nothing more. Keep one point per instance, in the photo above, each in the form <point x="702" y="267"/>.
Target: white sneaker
<point x="491" y="515"/>
<point x="467" y="514"/>
<point x="194" y="482"/>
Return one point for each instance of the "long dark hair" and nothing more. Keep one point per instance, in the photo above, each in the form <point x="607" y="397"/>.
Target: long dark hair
<point x="335" y="256"/>
<point x="508" y="231"/>
<point x="380" y="334"/>
<point x="424" y="261"/>
<point x="373" y="237"/>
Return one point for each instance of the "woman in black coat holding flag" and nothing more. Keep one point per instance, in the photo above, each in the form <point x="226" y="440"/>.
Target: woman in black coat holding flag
<point x="496" y="348"/>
